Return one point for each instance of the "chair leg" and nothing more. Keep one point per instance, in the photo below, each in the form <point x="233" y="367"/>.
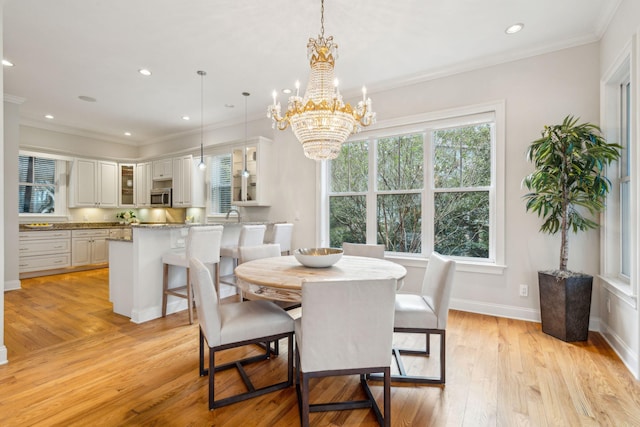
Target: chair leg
<point x="203" y="371"/>
<point x="212" y="371"/>
<point x="165" y="286"/>
<point x="304" y="388"/>
<point x="403" y="376"/>
<point x="189" y="296"/>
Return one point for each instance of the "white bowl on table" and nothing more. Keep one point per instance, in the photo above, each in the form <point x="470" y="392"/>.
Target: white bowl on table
<point x="318" y="257"/>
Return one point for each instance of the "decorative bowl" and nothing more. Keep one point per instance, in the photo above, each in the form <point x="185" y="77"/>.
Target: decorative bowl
<point x="318" y="257"/>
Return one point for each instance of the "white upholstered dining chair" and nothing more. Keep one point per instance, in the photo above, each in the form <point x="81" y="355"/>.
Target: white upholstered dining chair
<point x="346" y="328"/>
<point x="250" y="235"/>
<point x="425" y="313"/>
<point x="202" y="243"/>
<point x="225" y="326"/>
<point x="362" y="249"/>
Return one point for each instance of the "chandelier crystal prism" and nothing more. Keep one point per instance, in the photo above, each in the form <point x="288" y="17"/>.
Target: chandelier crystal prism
<point x="321" y="120"/>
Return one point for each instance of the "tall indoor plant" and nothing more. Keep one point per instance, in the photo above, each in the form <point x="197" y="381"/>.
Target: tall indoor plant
<point x="568" y="189"/>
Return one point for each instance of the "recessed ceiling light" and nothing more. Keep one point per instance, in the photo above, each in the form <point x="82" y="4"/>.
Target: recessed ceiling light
<point x="7" y="63"/>
<point x="512" y="29"/>
<point x="186" y="118"/>
<point x="229" y="105"/>
<point x="286" y="91"/>
<point x="144" y="72"/>
<point x="48" y="116"/>
<point x="127" y="134"/>
<point x="87" y="98"/>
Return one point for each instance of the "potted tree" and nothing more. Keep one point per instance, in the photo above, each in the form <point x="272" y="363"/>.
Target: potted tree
<point x="568" y="189"/>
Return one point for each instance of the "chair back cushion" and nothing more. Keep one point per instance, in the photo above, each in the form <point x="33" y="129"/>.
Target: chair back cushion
<point x="249" y="253"/>
<point x="252" y="235"/>
<point x="437" y="284"/>
<point x="346" y="324"/>
<point x="206" y="301"/>
<point x="360" y="249"/>
<point x="203" y="243"/>
<point x="282" y="234"/>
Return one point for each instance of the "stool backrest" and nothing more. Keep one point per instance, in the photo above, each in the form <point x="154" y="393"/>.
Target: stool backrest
<point x="282" y="234"/>
<point x="252" y="235"/>
<point x="203" y="243"/>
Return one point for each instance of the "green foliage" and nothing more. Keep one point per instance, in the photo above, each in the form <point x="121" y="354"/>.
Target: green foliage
<point x="569" y="179"/>
<point x="461" y="165"/>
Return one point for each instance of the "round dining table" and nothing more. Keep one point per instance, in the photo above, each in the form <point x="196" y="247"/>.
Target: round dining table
<point x="281" y="278"/>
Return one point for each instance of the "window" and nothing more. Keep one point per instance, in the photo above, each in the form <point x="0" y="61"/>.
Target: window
<point x="220" y="180"/>
<point x="37" y="185"/>
<point x="625" y="205"/>
<point x="617" y="126"/>
<point x="431" y="187"/>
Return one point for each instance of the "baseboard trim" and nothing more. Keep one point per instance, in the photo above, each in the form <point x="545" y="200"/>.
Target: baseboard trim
<point x="499" y="310"/>
<point x="626" y="354"/>
<point x="3" y="355"/>
<point x="12" y="285"/>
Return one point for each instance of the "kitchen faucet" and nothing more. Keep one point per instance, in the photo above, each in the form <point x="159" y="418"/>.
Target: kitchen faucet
<point x="233" y="210"/>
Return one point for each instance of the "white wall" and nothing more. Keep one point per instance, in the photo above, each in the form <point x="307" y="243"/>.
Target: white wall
<point x="620" y="319"/>
<point x="53" y="142"/>
<point x="10" y="172"/>
<point x="3" y="348"/>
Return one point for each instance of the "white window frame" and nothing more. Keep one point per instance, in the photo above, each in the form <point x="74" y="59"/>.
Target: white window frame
<point x="60" y="210"/>
<point x="425" y="123"/>
<point x="623" y="70"/>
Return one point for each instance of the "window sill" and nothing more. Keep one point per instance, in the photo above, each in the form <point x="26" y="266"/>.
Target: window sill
<point x="461" y="265"/>
<point x="27" y="218"/>
<point x="620" y="288"/>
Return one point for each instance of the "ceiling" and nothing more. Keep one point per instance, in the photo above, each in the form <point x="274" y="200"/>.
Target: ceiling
<point x="66" y="49"/>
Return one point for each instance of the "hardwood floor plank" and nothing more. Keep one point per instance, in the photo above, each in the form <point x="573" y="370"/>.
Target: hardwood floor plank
<point x="73" y="362"/>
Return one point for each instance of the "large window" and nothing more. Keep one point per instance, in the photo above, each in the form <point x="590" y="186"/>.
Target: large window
<point x="429" y="188"/>
<point x="37" y="185"/>
<point x="220" y="184"/>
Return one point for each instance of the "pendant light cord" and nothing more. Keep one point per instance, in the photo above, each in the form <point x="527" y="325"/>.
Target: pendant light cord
<point x="202" y="74"/>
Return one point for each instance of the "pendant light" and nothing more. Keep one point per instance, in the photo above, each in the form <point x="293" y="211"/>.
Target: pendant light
<point x="202" y="164"/>
<point x="245" y="172"/>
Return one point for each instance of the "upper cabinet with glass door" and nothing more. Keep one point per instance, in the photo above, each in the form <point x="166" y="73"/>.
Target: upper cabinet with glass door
<point x="127" y="181"/>
<point x="252" y="163"/>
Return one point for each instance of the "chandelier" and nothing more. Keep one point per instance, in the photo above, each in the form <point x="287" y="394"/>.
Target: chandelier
<point x="321" y="120"/>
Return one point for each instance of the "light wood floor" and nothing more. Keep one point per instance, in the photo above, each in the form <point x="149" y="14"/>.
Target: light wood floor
<point x="73" y="362"/>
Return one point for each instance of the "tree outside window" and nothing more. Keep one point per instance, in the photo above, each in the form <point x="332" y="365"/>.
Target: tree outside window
<point x="451" y="191"/>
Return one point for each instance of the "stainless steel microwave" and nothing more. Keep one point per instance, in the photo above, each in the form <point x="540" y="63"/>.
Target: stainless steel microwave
<point x="161" y="197"/>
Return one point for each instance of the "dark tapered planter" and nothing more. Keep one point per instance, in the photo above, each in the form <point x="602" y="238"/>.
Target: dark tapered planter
<point x="565" y="305"/>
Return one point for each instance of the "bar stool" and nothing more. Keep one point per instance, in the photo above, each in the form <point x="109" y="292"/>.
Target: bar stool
<point x="203" y="243"/>
<point x="250" y="235"/>
<point x="281" y="235"/>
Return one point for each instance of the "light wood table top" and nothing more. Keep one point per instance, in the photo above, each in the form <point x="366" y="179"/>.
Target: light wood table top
<point x="280" y="278"/>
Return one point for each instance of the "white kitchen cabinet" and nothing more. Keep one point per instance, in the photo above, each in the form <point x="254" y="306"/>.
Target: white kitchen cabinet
<point x="127" y="182"/>
<point x="188" y="183"/>
<point x="93" y="183"/>
<point x="44" y="250"/>
<point x="162" y="169"/>
<point x="256" y="157"/>
<point x="89" y="246"/>
<point x="144" y="184"/>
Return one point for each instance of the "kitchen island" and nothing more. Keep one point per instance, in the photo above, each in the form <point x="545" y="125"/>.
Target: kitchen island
<point x="135" y="268"/>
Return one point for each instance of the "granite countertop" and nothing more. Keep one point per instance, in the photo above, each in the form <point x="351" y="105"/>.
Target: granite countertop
<point x="73" y="226"/>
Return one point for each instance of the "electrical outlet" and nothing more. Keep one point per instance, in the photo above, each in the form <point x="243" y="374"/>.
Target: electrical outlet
<point x="524" y="290"/>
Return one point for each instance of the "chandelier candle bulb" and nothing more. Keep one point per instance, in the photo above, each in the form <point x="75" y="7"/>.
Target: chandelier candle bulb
<point x="297" y="87"/>
<point x="364" y="94"/>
